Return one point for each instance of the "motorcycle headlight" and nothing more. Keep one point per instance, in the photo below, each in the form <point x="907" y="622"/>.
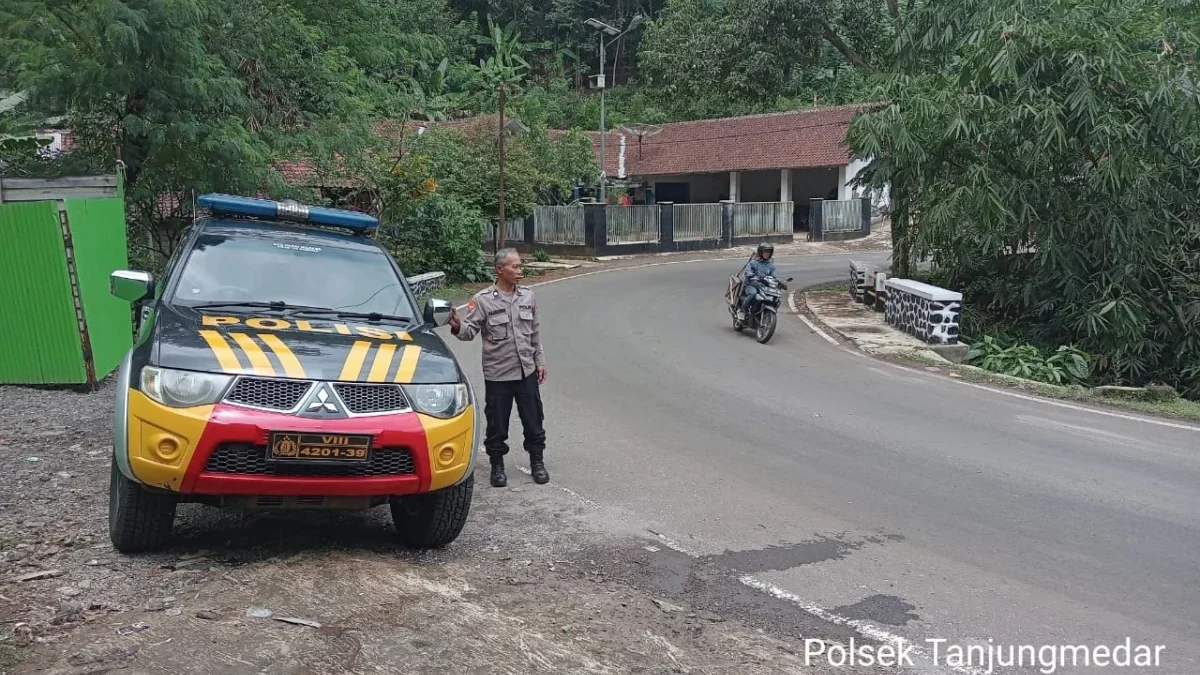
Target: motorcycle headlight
<point x="183" y="388"/>
<point x="438" y="400"/>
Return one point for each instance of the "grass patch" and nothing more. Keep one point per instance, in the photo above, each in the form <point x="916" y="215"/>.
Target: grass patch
<point x="457" y="294"/>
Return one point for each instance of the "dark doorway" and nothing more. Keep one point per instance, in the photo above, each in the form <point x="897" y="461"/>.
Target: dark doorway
<point x="679" y="193"/>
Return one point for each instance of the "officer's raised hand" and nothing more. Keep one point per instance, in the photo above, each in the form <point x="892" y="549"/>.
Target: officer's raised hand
<point x="455" y="322"/>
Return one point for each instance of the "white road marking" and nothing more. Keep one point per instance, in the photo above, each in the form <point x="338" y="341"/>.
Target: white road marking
<point x="567" y="490"/>
<point x="1118" y="440"/>
<point x="864" y="628"/>
<point x="1036" y="399"/>
<point x="1024" y="397"/>
<point x="818" y="331"/>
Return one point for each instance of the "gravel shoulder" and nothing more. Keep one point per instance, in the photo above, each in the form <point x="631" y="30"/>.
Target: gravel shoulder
<point x="540" y="581"/>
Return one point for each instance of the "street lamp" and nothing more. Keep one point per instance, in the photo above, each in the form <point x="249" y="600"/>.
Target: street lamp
<point x="606" y="29"/>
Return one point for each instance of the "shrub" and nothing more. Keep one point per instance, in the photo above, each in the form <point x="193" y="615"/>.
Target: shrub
<point x="1065" y="365"/>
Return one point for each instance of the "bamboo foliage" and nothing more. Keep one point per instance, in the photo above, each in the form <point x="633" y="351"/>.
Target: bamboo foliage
<point x="1045" y="156"/>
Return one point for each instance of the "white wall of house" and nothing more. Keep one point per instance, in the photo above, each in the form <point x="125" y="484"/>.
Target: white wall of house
<point x="849" y="173"/>
<point x="879" y="197"/>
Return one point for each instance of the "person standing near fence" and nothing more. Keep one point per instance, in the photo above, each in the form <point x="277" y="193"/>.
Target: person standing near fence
<point x="505" y="314"/>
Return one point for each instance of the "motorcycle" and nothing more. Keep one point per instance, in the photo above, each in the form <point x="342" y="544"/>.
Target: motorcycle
<point x="764" y="308"/>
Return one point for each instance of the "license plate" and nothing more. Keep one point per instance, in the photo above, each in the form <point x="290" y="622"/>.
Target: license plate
<point x="286" y="446"/>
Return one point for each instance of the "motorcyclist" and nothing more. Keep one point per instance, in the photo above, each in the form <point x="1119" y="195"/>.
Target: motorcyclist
<point x="759" y="266"/>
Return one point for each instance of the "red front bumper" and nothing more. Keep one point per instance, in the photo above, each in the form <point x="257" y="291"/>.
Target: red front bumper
<point x="236" y="426"/>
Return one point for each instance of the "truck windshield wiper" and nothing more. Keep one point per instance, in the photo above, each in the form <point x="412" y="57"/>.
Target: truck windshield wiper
<point x="369" y="316"/>
<point x="275" y="304"/>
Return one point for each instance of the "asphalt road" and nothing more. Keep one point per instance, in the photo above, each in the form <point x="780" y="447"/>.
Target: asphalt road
<point x="912" y="505"/>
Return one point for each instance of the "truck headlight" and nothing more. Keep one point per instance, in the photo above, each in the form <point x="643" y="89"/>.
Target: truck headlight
<point x="183" y="388"/>
<point x="438" y="400"/>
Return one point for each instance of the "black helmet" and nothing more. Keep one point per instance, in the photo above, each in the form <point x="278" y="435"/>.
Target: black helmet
<point x="766" y="246"/>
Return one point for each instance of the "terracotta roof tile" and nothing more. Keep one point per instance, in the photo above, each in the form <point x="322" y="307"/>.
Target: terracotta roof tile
<point x="799" y="139"/>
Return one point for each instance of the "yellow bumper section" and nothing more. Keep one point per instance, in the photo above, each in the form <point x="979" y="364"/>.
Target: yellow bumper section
<point x="449" y="443"/>
<point x="162" y="440"/>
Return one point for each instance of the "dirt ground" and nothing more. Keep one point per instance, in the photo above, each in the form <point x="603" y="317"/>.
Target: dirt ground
<point x="540" y="581"/>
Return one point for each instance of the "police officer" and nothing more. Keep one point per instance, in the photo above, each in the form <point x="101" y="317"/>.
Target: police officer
<point x="514" y="364"/>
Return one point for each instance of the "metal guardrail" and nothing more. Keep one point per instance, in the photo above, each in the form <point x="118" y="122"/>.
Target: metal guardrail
<point x="633" y="224"/>
<point x="695" y="222"/>
<point x="762" y="218"/>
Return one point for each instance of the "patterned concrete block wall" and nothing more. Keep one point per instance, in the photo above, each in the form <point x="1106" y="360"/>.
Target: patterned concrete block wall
<point x="859" y="272"/>
<point x="926" y="312"/>
<point x="424" y="284"/>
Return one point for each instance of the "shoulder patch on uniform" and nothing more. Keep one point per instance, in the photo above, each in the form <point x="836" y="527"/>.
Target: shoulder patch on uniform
<point x="471" y="305"/>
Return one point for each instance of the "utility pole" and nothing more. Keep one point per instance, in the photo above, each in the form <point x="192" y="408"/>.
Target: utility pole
<point x="603" y="130"/>
<point x="604" y="30"/>
<point x="500" y="231"/>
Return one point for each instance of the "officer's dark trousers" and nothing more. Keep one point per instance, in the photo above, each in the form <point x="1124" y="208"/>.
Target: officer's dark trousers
<point x="498" y="402"/>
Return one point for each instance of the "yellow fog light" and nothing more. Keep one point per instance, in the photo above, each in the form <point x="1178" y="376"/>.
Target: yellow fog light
<point x="166" y="447"/>
<point x="446" y="455"/>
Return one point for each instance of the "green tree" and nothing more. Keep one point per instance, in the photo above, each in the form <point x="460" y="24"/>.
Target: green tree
<point x="502" y="72"/>
<point x="207" y="95"/>
<point x="1044" y="154"/>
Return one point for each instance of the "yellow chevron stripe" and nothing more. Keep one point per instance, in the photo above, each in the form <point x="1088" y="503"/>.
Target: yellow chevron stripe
<point x="220" y="348"/>
<point x="354" y="360"/>
<point x="382" y="364"/>
<point x="258" y="358"/>
<point x="291" y="365"/>
<point x="408" y="364"/>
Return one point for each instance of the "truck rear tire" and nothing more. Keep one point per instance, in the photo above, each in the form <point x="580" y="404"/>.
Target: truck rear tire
<point x="433" y="520"/>
<point x="138" y="520"/>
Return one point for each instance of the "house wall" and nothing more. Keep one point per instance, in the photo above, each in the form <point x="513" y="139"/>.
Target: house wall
<point x="756" y="186"/>
<point x="813" y="183"/>
<point x="706" y="188"/>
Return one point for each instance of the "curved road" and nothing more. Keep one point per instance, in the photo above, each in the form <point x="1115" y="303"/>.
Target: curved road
<point x="894" y="498"/>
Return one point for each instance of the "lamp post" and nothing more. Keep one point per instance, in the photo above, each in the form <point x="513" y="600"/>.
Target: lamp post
<point x="606" y="29"/>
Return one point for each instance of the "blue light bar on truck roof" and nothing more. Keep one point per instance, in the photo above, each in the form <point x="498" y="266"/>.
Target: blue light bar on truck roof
<point x="288" y="211"/>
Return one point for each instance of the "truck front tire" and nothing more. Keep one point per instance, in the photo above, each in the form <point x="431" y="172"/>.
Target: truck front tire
<point x="433" y="520"/>
<point x="138" y="520"/>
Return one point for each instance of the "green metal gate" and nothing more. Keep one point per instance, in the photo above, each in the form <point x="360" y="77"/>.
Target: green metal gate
<point x="59" y="241"/>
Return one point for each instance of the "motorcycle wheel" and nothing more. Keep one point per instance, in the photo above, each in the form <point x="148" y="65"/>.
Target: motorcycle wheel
<point x="766" y="327"/>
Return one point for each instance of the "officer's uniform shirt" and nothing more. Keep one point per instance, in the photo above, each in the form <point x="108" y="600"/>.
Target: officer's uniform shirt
<point x="509" y="326"/>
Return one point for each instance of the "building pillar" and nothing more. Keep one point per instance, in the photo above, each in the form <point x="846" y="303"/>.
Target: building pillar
<point x="735" y="186"/>
<point x="843" y="189"/>
<point x="785" y="185"/>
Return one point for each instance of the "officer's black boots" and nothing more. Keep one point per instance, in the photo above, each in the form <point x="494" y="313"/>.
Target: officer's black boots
<point x="538" y="469"/>
<point x="499" y="479"/>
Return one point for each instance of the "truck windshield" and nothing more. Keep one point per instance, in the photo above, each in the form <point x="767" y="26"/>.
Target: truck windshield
<point x="304" y="272"/>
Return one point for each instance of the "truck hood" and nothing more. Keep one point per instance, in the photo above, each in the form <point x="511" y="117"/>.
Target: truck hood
<point x="272" y="344"/>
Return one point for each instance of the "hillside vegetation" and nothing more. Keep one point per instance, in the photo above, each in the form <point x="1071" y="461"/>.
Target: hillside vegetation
<point x="1042" y="154"/>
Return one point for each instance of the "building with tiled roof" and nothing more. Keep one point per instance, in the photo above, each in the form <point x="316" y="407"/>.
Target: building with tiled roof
<point x="791" y="157"/>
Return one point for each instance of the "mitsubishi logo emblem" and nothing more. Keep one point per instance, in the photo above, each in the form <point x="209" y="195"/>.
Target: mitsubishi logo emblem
<point x="321" y="402"/>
